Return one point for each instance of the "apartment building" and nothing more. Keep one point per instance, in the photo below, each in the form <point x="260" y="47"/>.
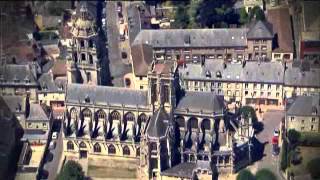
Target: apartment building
<point x="19" y="80"/>
<point x="303" y="114"/>
<point x="257" y="83"/>
<point x="196" y="45"/>
<point x="301" y="79"/>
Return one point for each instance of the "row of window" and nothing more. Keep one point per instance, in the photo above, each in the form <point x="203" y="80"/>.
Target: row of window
<point x="292" y="119"/>
<point x="97" y="148"/>
<point x="229" y="85"/>
<point x="261" y="93"/>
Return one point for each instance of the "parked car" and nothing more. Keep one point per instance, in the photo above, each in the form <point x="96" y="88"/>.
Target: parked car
<point x="54" y="135"/>
<point x="276" y="133"/>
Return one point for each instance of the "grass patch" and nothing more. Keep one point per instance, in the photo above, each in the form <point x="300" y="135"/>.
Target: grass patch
<point x="120" y="169"/>
<point x="307" y="154"/>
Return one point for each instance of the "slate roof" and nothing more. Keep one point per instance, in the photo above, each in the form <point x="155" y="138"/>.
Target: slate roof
<point x="165" y="38"/>
<point x="14" y="74"/>
<point x="158" y="124"/>
<point x="15" y="102"/>
<point x="76" y="93"/>
<point x="201" y="101"/>
<point x="281" y="25"/>
<point x="183" y="170"/>
<point x="263" y="72"/>
<point x="142" y="56"/>
<point x="259" y="30"/>
<point x="37" y="113"/>
<point x="310" y="77"/>
<point x="304" y="106"/>
<point x="46" y="83"/>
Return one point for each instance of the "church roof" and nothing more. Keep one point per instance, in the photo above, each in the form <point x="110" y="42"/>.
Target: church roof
<point x="201" y="101"/>
<point x="103" y="95"/>
<point x="158" y="124"/>
<point x="37" y="113"/>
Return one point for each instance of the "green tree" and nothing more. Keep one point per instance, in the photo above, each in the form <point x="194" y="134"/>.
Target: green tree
<point x="246" y="110"/>
<point x="257" y="14"/>
<point x="181" y="18"/>
<point x="244" y="17"/>
<point x="313" y="168"/>
<point x="284" y="156"/>
<point x="293" y="136"/>
<point x="245" y="174"/>
<point x="265" y="174"/>
<point x="71" y="171"/>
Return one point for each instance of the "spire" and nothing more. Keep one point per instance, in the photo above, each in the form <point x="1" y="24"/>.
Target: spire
<point x="84" y="11"/>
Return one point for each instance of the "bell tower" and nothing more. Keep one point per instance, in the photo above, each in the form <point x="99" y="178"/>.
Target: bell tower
<point x="83" y="67"/>
<point x="162" y="85"/>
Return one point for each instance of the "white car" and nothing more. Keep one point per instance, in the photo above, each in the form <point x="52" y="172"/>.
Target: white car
<point x="54" y="135"/>
<point x="276" y="133"/>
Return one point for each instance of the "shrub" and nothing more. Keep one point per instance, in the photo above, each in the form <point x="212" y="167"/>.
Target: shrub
<point x="293" y="136"/>
<point x="72" y="171"/>
<point x="265" y="174"/>
<point x="245" y="175"/>
<point x="310" y="139"/>
<point x="313" y="168"/>
<point x="284" y="156"/>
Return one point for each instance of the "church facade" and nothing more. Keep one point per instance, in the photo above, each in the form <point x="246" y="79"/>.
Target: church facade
<point x="162" y="128"/>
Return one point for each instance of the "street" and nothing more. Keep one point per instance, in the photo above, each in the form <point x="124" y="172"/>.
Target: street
<point x="272" y="119"/>
<point x="52" y="165"/>
<point x="117" y="67"/>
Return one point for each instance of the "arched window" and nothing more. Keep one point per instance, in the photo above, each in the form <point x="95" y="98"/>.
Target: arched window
<point x="83" y="57"/>
<point x="90" y="59"/>
<point x="142" y="118"/>
<point x="97" y="148"/>
<point x="82" y="145"/>
<point x="138" y="152"/>
<point x="111" y="149"/>
<point x="82" y="43"/>
<point x="87" y="113"/>
<point x="101" y="114"/>
<point x="193" y="123"/>
<point x="180" y="120"/>
<point x="73" y="113"/>
<point x="115" y="115"/>
<point x="205" y="124"/>
<point x="70" y="145"/>
<point x="129" y="116"/>
<point x="126" y="150"/>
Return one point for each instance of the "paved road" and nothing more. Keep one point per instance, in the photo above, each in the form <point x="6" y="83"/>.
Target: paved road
<point x="271" y="121"/>
<point x="52" y="166"/>
<point x="117" y="68"/>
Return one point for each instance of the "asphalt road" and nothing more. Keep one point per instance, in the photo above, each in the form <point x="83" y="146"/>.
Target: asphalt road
<point x="52" y="166"/>
<point x="117" y="68"/>
<point x="271" y="121"/>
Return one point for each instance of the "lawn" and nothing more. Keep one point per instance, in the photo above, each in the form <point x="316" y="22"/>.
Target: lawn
<point x="114" y="169"/>
<point x="307" y="154"/>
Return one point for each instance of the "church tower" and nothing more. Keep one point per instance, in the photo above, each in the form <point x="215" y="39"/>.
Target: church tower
<point x="83" y="67"/>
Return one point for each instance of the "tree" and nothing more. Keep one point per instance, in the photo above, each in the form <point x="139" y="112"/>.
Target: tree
<point x="284" y="156"/>
<point x="246" y="110"/>
<point x="181" y="18"/>
<point x="257" y="14"/>
<point x="293" y="136"/>
<point x="245" y="174"/>
<point x="71" y="171"/>
<point x="244" y="17"/>
<point x="313" y="168"/>
<point x="265" y="174"/>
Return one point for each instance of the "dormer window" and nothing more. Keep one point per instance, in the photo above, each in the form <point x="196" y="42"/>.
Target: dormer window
<point x="218" y="74"/>
<point x="27" y="80"/>
<point x="87" y="99"/>
<point x="314" y="110"/>
<point x="187" y="39"/>
<point x="44" y="87"/>
<point x="208" y="74"/>
<point x="18" y="108"/>
<point x="16" y="80"/>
